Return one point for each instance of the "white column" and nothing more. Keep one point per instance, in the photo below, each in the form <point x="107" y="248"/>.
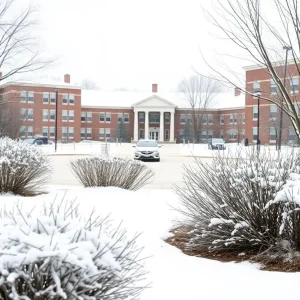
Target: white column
<point x="172" y="126"/>
<point x="146" y="125"/>
<point x="136" y="126"/>
<point x="161" y="127"/>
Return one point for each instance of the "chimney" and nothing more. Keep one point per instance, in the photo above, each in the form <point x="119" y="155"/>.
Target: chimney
<point x="67" y="78"/>
<point x="237" y="91"/>
<point x="154" y="87"/>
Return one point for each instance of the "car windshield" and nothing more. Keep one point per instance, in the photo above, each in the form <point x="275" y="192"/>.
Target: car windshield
<point x="29" y="141"/>
<point x="146" y="144"/>
<point x="217" y="141"/>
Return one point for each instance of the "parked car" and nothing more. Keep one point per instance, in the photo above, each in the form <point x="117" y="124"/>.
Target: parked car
<point x="147" y="149"/>
<point x="215" y="143"/>
<point x="37" y="141"/>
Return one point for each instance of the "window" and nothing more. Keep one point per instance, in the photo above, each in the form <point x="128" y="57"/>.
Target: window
<point x="210" y="134"/>
<point x="126" y="118"/>
<point x="203" y="134"/>
<point x="31" y="97"/>
<point x="89" y="117"/>
<point x="71" y="115"/>
<point x="108" y="117"/>
<point x="45" y="98"/>
<point x="272" y="134"/>
<point x="71" y="99"/>
<point x="120" y="117"/>
<point x="23" y="114"/>
<point x="23" y="97"/>
<point x="141" y="134"/>
<point x="204" y="119"/>
<point x="23" y="131"/>
<point x="52" y="115"/>
<point x="167" y="118"/>
<point x="231" y="119"/>
<point x="101" y="134"/>
<point x="30" y="114"/>
<point x="181" y="134"/>
<point x="45" y="131"/>
<point x="107" y="133"/>
<point x="294" y="84"/>
<point x="273" y="111"/>
<point x="82" y="133"/>
<point x="71" y="132"/>
<point x="102" y="117"/>
<point x="222" y="134"/>
<point x="141" y="117"/>
<point x="182" y="119"/>
<point x="83" y="116"/>
<point x="273" y="87"/>
<point x="243" y="118"/>
<point x="254" y="133"/>
<point x="222" y="119"/>
<point x="256" y="87"/>
<point x="167" y="135"/>
<point x="189" y="118"/>
<point x="64" y="131"/>
<point x="292" y="134"/>
<point x="89" y="133"/>
<point x="65" y="99"/>
<point x="154" y="117"/>
<point x="52" y="132"/>
<point x="232" y="135"/>
<point x="45" y="115"/>
<point x="255" y="112"/>
<point x="52" y="98"/>
<point x="64" y="115"/>
<point x="29" y="131"/>
<point x="210" y="119"/>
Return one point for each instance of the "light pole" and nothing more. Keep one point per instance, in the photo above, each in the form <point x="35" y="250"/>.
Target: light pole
<point x="286" y="48"/>
<point x="257" y="137"/>
<point x="56" y="113"/>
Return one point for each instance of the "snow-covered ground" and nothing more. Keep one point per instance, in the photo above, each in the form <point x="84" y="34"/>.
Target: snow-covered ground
<point x="174" y="275"/>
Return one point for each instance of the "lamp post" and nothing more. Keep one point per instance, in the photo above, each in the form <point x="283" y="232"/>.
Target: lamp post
<point x="258" y="107"/>
<point x="56" y="113"/>
<point x="286" y="48"/>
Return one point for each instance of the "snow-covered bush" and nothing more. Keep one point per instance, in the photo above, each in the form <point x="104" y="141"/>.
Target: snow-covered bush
<point x="229" y="203"/>
<point x="58" y="255"/>
<point x="119" y="172"/>
<point x="24" y="168"/>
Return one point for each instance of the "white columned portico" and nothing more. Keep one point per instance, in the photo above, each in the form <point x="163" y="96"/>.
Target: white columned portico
<point x="136" y="126"/>
<point x="172" y="126"/>
<point x="161" y="127"/>
<point x="146" y="124"/>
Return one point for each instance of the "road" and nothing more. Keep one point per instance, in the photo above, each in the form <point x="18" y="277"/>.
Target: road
<point x="167" y="172"/>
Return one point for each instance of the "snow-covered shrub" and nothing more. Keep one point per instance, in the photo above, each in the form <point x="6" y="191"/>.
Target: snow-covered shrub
<point x="58" y="255"/>
<point x="24" y="168"/>
<point x="228" y="204"/>
<point x="119" y="172"/>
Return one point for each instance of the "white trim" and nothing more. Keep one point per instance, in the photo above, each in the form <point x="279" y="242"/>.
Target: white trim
<point x="275" y="64"/>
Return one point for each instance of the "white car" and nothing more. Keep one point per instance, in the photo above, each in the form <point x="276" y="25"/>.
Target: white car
<point x="147" y="149"/>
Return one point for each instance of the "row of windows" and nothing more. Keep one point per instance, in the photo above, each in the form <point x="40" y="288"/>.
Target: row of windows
<point x="233" y="119"/>
<point x="208" y="134"/>
<point x="154" y="117"/>
<point x="294" y="86"/>
<point x="104" y="133"/>
<point x="273" y="134"/>
<point x="28" y="97"/>
<point x="104" y="117"/>
<point x="273" y="111"/>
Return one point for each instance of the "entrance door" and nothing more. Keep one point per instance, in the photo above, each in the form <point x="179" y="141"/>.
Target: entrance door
<point x="154" y="135"/>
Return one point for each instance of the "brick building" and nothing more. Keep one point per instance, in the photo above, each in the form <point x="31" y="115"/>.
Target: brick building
<point x="94" y="115"/>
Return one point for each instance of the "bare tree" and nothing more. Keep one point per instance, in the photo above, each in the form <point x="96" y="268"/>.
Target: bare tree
<point x="261" y="40"/>
<point x="88" y="84"/>
<point x="198" y="92"/>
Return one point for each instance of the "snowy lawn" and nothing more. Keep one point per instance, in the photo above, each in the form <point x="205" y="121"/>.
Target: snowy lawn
<point x="174" y="275"/>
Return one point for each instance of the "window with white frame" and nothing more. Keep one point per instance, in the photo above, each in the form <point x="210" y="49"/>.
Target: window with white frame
<point x="71" y="115"/>
<point x="141" y="133"/>
<point x="23" y="97"/>
<point x="45" y="114"/>
<point x="210" y="134"/>
<point x="203" y="134"/>
<point x="89" y="117"/>
<point x="254" y="133"/>
<point x="82" y="133"/>
<point x="71" y="99"/>
<point x="273" y="87"/>
<point x="154" y="117"/>
<point x="204" y="119"/>
<point x="30" y="131"/>
<point x="23" y="130"/>
<point x="45" y="98"/>
<point x="71" y="132"/>
<point x="272" y="134"/>
<point x="101" y="117"/>
<point x="30" y="114"/>
<point x="52" y="115"/>
<point x="52" y="98"/>
<point x="120" y="117"/>
<point x="231" y="119"/>
<point x="65" y="99"/>
<point x="141" y="117"/>
<point x="234" y="118"/>
<point x="221" y="134"/>
<point x="222" y="119"/>
<point x="273" y="111"/>
<point x="292" y="134"/>
<point x="30" y="97"/>
<point x="83" y="116"/>
<point x="64" y="115"/>
<point x="107" y="117"/>
<point x="255" y="112"/>
<point x="232" y="135"/>
<point x="294" y="84"/>
<point x="64" y="131"/>
<point x="182" y="119"/>
<point x="189" y="118"/>
<point x="210" y="119"/>
<point x="256" y="87"/>
<point x="45" y="131"/>
<point x="101" y="133"/>
<point x="89" y="133"/>
<point x="52" y="132"/>
<point x="167" y="118"/>
<point x="23" y="114"/>
<point x="107" y="133"/>
<point x="126" y="117"/>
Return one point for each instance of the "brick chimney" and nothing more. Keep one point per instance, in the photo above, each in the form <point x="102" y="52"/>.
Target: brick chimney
<point x="154" y="87"/>
<point x="237" y="91"/>
<point x="67" y="78"/>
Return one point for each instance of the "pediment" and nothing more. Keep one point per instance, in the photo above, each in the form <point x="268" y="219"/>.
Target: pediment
<point x="154" y="102"/>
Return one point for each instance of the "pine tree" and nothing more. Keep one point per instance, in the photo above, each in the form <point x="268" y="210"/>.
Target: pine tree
<point x="188" y="134"/>
<point x="122" y="132"/>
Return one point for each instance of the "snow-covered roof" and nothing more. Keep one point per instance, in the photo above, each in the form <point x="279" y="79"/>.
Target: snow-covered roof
<point x="125" y="99"/>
